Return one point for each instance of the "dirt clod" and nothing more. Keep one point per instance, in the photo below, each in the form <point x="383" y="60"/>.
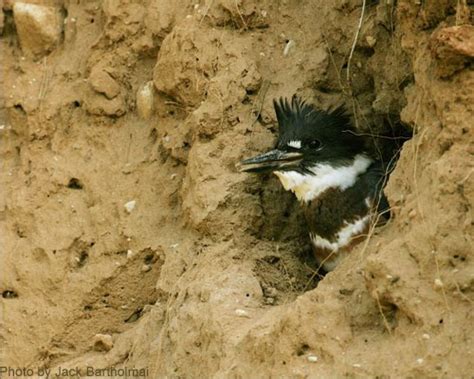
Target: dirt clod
<point x="39" y="27"/>
<point x="103" y="342"/>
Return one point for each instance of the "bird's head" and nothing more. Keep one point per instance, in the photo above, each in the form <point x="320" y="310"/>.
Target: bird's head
<point x="311" y="144"/>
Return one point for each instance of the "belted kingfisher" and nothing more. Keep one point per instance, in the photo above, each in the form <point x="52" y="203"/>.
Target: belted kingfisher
<point x="320" y="157"/>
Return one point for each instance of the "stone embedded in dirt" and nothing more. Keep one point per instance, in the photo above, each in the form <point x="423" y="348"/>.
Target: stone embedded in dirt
<point x="453" y="47"/>
<point x="146" y="268"/>
<point x="103" y="342"/>
<point x="438" y="283"/>
<point x="289" y="45"/>
<point x="39" y="27"/>
<point x="181" y="52"/>
<point x="130" y="206"/>
<point x="70" y="29"/>
<point x="102" y="82"/>
<point x="371" y="41"/>
<point x="312" y="358"/>
<point x="455" y="40"/>
<point x="242" y="313"/>
<point x="145" y="100"/>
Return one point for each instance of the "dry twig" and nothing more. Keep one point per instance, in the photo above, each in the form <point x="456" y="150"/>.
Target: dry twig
<point x="356" y="37"/>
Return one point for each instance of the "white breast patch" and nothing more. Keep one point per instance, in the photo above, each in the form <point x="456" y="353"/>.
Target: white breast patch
<point x="322" y="177"/>
<point x="343" y="237"/>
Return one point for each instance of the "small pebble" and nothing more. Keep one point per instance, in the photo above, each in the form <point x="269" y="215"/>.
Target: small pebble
<point x="269" y="300"/>
<point x="241" y="313"/>
<point x="312" y="358"/>
<point x="38" y="27"/>
<point x="412" y="213"/>
<point x="420" y="361"/>
<point x="356" y="365"/>
<point x="146" y="268"/>
<point x="288" y="46"/>
<point x="426" y="336"/>
<point x="130" y="206"/>
<point x="371" y="41"/>
<point x="438" y="283"/>
<point x="145" y="100"/>
<point x="129" y="254"/>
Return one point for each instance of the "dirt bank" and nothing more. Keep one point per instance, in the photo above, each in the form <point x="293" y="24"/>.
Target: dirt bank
<point x="129" y="239"/>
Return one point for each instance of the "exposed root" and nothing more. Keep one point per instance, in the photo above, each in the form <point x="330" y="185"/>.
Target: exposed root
<point x="258" y="105"/>
<point x="315" y="273"/>
<point x="206" y="11"/>
<point x="356" y="37"/>
<point x="244" y="24"/>
<point x="385" y="321"/>
<point x="343" y="87"/>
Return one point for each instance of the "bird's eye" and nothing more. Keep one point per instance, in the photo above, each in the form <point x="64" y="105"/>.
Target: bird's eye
<point x="315" y="144"/>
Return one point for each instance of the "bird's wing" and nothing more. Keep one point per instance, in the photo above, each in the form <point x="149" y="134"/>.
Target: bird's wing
<point x="377" y="176"/>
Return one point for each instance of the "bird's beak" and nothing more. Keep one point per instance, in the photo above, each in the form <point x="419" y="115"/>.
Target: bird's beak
<point x="270" y="161"/>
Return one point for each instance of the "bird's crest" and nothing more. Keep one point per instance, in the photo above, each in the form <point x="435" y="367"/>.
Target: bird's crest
<point x="291" y="114"/>
<point x="297" y="116"/>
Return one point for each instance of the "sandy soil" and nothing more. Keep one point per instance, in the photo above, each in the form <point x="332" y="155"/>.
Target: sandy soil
<point x="129" y="239"/>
